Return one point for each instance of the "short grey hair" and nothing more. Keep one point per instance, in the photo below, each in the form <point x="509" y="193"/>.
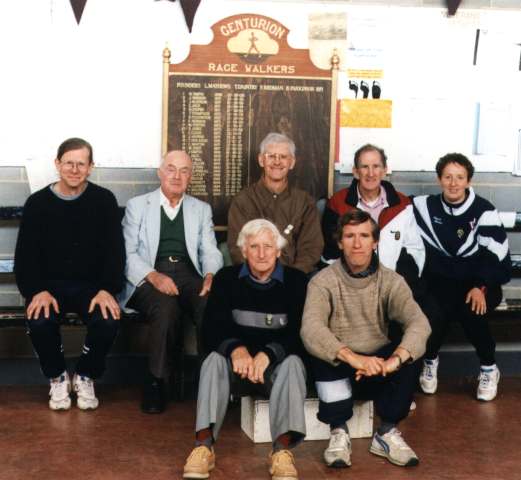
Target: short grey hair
<point x="254" y="227"/>
<point x="274" y="137"/>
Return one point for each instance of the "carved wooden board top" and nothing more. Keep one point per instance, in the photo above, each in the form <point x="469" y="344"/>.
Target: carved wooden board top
<point x="250" y="45"/>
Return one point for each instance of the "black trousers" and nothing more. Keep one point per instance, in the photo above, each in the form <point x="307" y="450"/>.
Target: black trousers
<point x="45" y="332"/>
<point x="337" y="389"/>
<point x="445" y="303"/>
<point x="164" y="313"/>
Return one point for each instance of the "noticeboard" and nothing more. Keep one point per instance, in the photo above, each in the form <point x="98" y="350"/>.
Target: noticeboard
<point x="227" y="96"/>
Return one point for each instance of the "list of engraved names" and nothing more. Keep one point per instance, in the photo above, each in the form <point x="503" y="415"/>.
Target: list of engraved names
<point x="220" y="121"/>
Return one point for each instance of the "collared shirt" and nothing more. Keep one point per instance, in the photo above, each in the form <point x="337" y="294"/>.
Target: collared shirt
<point x="171" y="212"/>
<point x="277" y="274"/>
<point x="375" y="207"/>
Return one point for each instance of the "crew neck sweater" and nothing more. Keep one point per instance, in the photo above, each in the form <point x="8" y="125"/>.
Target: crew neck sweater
<point x="343" y="311"/>
<point x="232" y="292"/>
<point x="78" y="240"/>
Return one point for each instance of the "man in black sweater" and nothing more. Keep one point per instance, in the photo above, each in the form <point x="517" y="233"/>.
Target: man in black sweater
<point x="251" y="327"/>
<point x="70" y="257"/>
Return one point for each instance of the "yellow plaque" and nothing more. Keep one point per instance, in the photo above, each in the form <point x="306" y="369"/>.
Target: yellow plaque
<point x="366" y="113"/>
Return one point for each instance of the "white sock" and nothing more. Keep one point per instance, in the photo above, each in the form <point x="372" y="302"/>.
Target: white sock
<point x="488" y="368"/>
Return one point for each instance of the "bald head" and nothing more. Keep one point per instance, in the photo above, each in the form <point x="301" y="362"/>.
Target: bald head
<point x="175" y="173"/>
<point x="175" y="154"/>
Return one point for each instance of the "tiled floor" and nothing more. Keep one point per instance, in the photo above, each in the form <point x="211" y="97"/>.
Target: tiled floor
<point x="456" y="437"/>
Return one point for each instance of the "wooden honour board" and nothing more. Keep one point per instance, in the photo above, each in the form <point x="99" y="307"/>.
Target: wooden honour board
<point x="227" y="96"/>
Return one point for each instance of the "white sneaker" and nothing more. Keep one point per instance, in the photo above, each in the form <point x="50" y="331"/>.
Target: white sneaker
<point x="338" y="453"/>
<point x="59" y="392"/>
<point x="429" y="376"/>
<point x="488" y="381"/>
<point x="84" y="388"/>
<point x="392" y="446"/>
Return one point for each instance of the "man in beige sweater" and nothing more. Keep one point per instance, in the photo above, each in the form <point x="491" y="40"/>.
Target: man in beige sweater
<point x="345" y="328"/>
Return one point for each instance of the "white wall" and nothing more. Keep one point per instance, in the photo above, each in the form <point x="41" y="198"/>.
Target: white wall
<point x="101" y="80"/>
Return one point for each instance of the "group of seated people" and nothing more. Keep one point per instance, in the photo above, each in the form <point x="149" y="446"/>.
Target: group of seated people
<point x="306" y="300"/>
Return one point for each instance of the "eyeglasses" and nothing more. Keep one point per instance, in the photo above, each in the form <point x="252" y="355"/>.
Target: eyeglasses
<point x="277" y="156"/>
<point x="80" y="166"/>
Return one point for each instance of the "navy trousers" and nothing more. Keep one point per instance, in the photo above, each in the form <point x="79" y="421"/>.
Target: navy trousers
<point x="337" y="388"/>
<point x="46" y="338"/>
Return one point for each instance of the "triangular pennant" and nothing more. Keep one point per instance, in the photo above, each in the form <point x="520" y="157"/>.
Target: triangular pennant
<point x="77" y="7"/>
<point x="189" y="8"/>
<point x="453" y="5"/>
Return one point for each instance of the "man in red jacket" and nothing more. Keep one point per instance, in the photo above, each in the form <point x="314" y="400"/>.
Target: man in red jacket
<point x="401" y="247"/>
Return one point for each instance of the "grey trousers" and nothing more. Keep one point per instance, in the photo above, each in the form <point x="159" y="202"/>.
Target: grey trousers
<point x="286" y="397"/>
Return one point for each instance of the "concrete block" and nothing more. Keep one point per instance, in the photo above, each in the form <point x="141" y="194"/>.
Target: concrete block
<point x="130" y="175"/>
<point x="507" y="198"/>
<point x="430" y="189"/>
<point x="495" y="177"/>
<point x="512" y="290"/>
<point x="142" y="188"/>
<point x="13" y="194"/>
<point x="514" y="242"/>
<point x="255" y="420"/>
<point x="8" y="235"/>
<point x="11" y="299"/>
<point x="122" y="191"/>
<point x="409" y="189"/>
<point x="411" y="177"/>
<point x="484" y="191"/>
<point x="11" y="173"/>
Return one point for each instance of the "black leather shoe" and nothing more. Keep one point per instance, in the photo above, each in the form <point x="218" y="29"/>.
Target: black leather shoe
<point x="154" y="398"/>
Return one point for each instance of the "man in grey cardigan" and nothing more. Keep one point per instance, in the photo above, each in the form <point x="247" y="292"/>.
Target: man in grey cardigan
<point x="345" y="328"/>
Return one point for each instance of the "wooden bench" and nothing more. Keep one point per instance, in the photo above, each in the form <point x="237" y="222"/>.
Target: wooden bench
<point x="505" y="317"/>
<point x="14" y="316"/>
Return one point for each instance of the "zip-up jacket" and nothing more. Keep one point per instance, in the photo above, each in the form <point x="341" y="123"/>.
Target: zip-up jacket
<point x="465" y="242"/>
<point x="400" y="247"/>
